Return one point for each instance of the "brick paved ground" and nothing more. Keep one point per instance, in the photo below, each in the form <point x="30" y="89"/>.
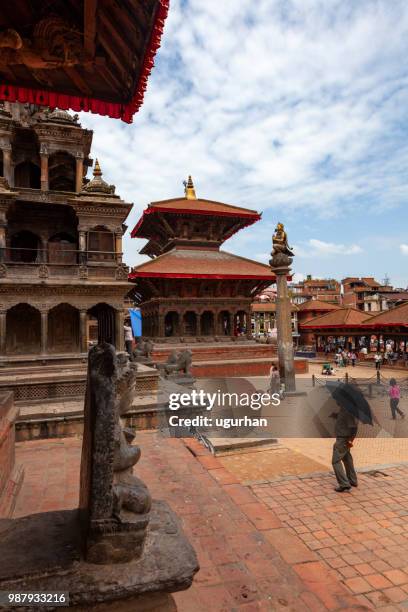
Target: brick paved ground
<point x="362" y="535"/>
<point x="251" y="559"/>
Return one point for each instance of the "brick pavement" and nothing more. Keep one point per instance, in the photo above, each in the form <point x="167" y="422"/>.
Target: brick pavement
<point x="251" y="559"/>
<point x="362" y="536"/>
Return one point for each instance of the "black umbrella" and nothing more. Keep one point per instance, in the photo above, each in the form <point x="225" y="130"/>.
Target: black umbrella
<point x="352" y="399"/>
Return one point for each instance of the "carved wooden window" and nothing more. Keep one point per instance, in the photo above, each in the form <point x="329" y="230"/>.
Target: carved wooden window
<point x="27" y="174"/>
<point x="101" y="245"/>
<point x="62" y="249"/>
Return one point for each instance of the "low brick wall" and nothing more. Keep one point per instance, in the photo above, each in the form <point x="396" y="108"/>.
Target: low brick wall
<point x="218" y="352"/>
<point x="10" y="475"/>
<point x="242" y="367"/>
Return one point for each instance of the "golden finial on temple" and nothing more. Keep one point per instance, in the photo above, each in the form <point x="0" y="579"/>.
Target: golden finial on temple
<point x="97" y="169"/>
<point x="189" y="189"/>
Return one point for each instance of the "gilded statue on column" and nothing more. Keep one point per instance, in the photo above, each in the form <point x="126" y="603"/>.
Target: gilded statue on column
<point x="281" y="252"/>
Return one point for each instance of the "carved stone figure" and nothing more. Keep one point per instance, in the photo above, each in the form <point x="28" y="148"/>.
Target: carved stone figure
<point x="143" y="351"/>
<point x="115" y="504"/>
<point x="177" y="363"/>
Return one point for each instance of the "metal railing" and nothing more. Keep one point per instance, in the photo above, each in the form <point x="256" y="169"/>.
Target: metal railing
<point x="36" y="256"/>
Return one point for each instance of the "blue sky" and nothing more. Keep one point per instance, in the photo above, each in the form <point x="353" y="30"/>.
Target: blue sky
<point x="296" y="108"/>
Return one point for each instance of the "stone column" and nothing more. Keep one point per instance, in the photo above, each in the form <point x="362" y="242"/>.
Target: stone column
<point x="44" y="168"/>
<point x="118" y="247"/>
<point x="7" y="166"/>
<point x="82" y="247"/>
<point x="44" y="332"/>
<point x="79" y="175"/>
<point x="182" y="323"/>
<point x="83" y="332"/>
<point x="44" y="250"/>
<point x="248" y="324"/>
<point x="280" y="265"/>
<point x="2" y="240"/>
<point x="119" y="332"/>
<point x="160" y="326"/>
<point x="3" y="331"/>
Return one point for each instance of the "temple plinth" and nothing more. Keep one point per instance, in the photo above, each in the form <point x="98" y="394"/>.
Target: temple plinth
<point x="191" y="288"/>
<point x="280" y="265"/>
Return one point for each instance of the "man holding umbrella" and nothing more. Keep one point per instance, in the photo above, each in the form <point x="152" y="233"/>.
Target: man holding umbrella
<point x="353" y="408"/>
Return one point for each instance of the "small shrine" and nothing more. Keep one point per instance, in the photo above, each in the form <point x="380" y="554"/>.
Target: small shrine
<point x="191" y="287"/>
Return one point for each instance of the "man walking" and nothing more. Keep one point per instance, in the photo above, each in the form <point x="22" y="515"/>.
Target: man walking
<point x="342" y="461"/>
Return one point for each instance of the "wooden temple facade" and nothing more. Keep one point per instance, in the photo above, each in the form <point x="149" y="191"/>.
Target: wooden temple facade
<point x="60" y="240"/>
<point x="191" y="288"/>
<point x="84" y="55"/>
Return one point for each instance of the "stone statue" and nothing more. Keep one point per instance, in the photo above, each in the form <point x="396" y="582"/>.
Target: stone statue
<point x="143" y="351"/>
<point x="281" y="253"/>
<point x="177" y="363"/>
<point x="120" y="551"/>
<point x="114" y="503"/>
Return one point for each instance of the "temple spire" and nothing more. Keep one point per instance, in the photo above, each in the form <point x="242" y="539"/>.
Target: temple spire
<point x="189" y="189"/>
<point x="97" y="169"/>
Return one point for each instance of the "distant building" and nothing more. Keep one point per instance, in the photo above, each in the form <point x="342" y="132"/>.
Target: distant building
<point x="323" y="289"/>
<point x="308" y="311"/>
<point x="264" y="319"/>
<point x="369" y="295"/>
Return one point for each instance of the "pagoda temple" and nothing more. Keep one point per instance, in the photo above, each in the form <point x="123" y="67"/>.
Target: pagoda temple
<point x="191" y="288"/>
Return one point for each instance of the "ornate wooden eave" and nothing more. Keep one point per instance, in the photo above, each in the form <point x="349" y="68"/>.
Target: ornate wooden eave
<point x="85" y="55"/>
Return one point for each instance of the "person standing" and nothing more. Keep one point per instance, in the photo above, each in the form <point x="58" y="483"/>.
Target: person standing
<point x="128" y="337"/>
<point x="353" y="358"/>
<point x="395" y="396"/>
<point x="377" y="360"/>
<point x="342" y="460"/>
<point x="274" y="385"/>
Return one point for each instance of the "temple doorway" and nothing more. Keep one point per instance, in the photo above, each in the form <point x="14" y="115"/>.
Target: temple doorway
<point x="63" y="329"/>
<point x="224" y="323"/>
<point x="171" y="324"/>
<point x="23" y="330"/>
<point x="105" y="317"/>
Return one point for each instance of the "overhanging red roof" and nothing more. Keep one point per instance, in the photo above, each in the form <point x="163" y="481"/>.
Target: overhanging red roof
<point x="197" y="207"/>
<point x="210" y="263"/>
<point x="70" y="94"/>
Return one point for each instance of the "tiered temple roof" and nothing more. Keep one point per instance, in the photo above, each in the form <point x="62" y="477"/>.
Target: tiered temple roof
<point x="184" y="236"/>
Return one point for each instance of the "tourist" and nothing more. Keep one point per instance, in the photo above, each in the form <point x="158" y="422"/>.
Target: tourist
<point x="395" y="396"/>
<point x="275" y="384"/>
<point x="353" y="358"/>
<point x="342" y="460"/>
<point x="128" y="337"/>
<point x="378" y="360"/>
<point x="353" y="408"/>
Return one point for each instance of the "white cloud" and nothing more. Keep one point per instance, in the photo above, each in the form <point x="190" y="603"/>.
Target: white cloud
<point x="289" y="106"/>
<point x="404" y="249"/>
<point x="316" y="248"/>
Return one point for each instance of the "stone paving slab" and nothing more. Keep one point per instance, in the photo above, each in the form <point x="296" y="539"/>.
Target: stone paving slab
<point x="250" y="559"/>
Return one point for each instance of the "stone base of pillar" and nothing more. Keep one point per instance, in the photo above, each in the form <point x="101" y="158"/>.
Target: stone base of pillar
<point x="53" y="562"/>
